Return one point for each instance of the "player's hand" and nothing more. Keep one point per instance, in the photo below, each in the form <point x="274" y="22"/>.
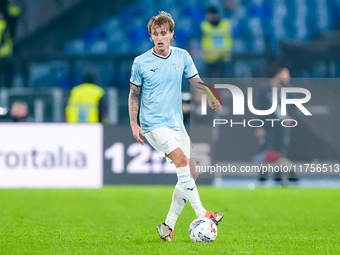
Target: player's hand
<point x="216" y="107"/>
<point x="137" y="132"/>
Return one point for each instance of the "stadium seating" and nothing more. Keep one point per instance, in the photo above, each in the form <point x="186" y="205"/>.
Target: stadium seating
<point x="278" y="19"/>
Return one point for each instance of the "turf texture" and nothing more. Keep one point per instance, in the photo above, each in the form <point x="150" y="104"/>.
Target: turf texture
<point x="123" y="220"/>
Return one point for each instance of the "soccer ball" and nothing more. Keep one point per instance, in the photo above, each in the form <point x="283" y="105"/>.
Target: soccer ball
<point x="202" y="230"/>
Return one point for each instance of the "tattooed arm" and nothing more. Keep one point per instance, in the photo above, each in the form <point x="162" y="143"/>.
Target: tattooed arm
<point x="133" y="112"/>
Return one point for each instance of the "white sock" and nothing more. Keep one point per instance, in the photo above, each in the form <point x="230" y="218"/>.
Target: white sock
<point x="177" y="204"/>
<point x="190" y="190"/>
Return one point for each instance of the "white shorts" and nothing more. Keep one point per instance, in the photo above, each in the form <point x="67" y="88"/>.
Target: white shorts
<point x="165" y="140"/>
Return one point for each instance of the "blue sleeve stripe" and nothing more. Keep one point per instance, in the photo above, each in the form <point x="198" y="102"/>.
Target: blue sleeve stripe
<point x="192" y="76"/>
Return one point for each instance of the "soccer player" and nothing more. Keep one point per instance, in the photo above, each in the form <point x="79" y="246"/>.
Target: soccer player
<point x="159" y="73"/>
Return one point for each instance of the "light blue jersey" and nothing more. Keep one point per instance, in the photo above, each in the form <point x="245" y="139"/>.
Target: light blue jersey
<point x="161" y="81"/>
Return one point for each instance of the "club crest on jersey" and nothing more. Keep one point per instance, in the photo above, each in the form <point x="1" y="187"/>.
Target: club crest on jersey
<point x="176" y="65"/>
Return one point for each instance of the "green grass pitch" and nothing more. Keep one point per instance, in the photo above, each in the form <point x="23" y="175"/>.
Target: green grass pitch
<point x="123" y="220"/>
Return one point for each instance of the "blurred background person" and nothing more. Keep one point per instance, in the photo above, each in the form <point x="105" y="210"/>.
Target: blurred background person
<point x="6" y="49"/>
<point x="274" y="140"/>
<point x="11" y="10"/>
<point x="14" y="12"/>
<point x="19" y="112"/>
<point x="6" y="44"/>
<point x="216" y="43"/>
<point x="85" y="102"/>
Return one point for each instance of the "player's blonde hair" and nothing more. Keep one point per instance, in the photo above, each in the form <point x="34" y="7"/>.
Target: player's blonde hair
<point x="162" y="18"/>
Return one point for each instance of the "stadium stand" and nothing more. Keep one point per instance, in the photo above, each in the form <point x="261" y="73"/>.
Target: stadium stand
<point x="259" y="19"/>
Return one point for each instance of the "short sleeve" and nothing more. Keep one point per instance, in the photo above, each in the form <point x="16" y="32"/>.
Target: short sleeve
<point x="189" y="66"/>
<point x="136" y="76"/>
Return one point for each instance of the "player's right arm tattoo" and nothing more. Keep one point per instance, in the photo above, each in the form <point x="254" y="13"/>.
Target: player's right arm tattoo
<point x="133" y="103"/>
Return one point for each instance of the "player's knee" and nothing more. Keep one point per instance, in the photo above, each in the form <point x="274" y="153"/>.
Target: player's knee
<point x="182" y="161"/>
